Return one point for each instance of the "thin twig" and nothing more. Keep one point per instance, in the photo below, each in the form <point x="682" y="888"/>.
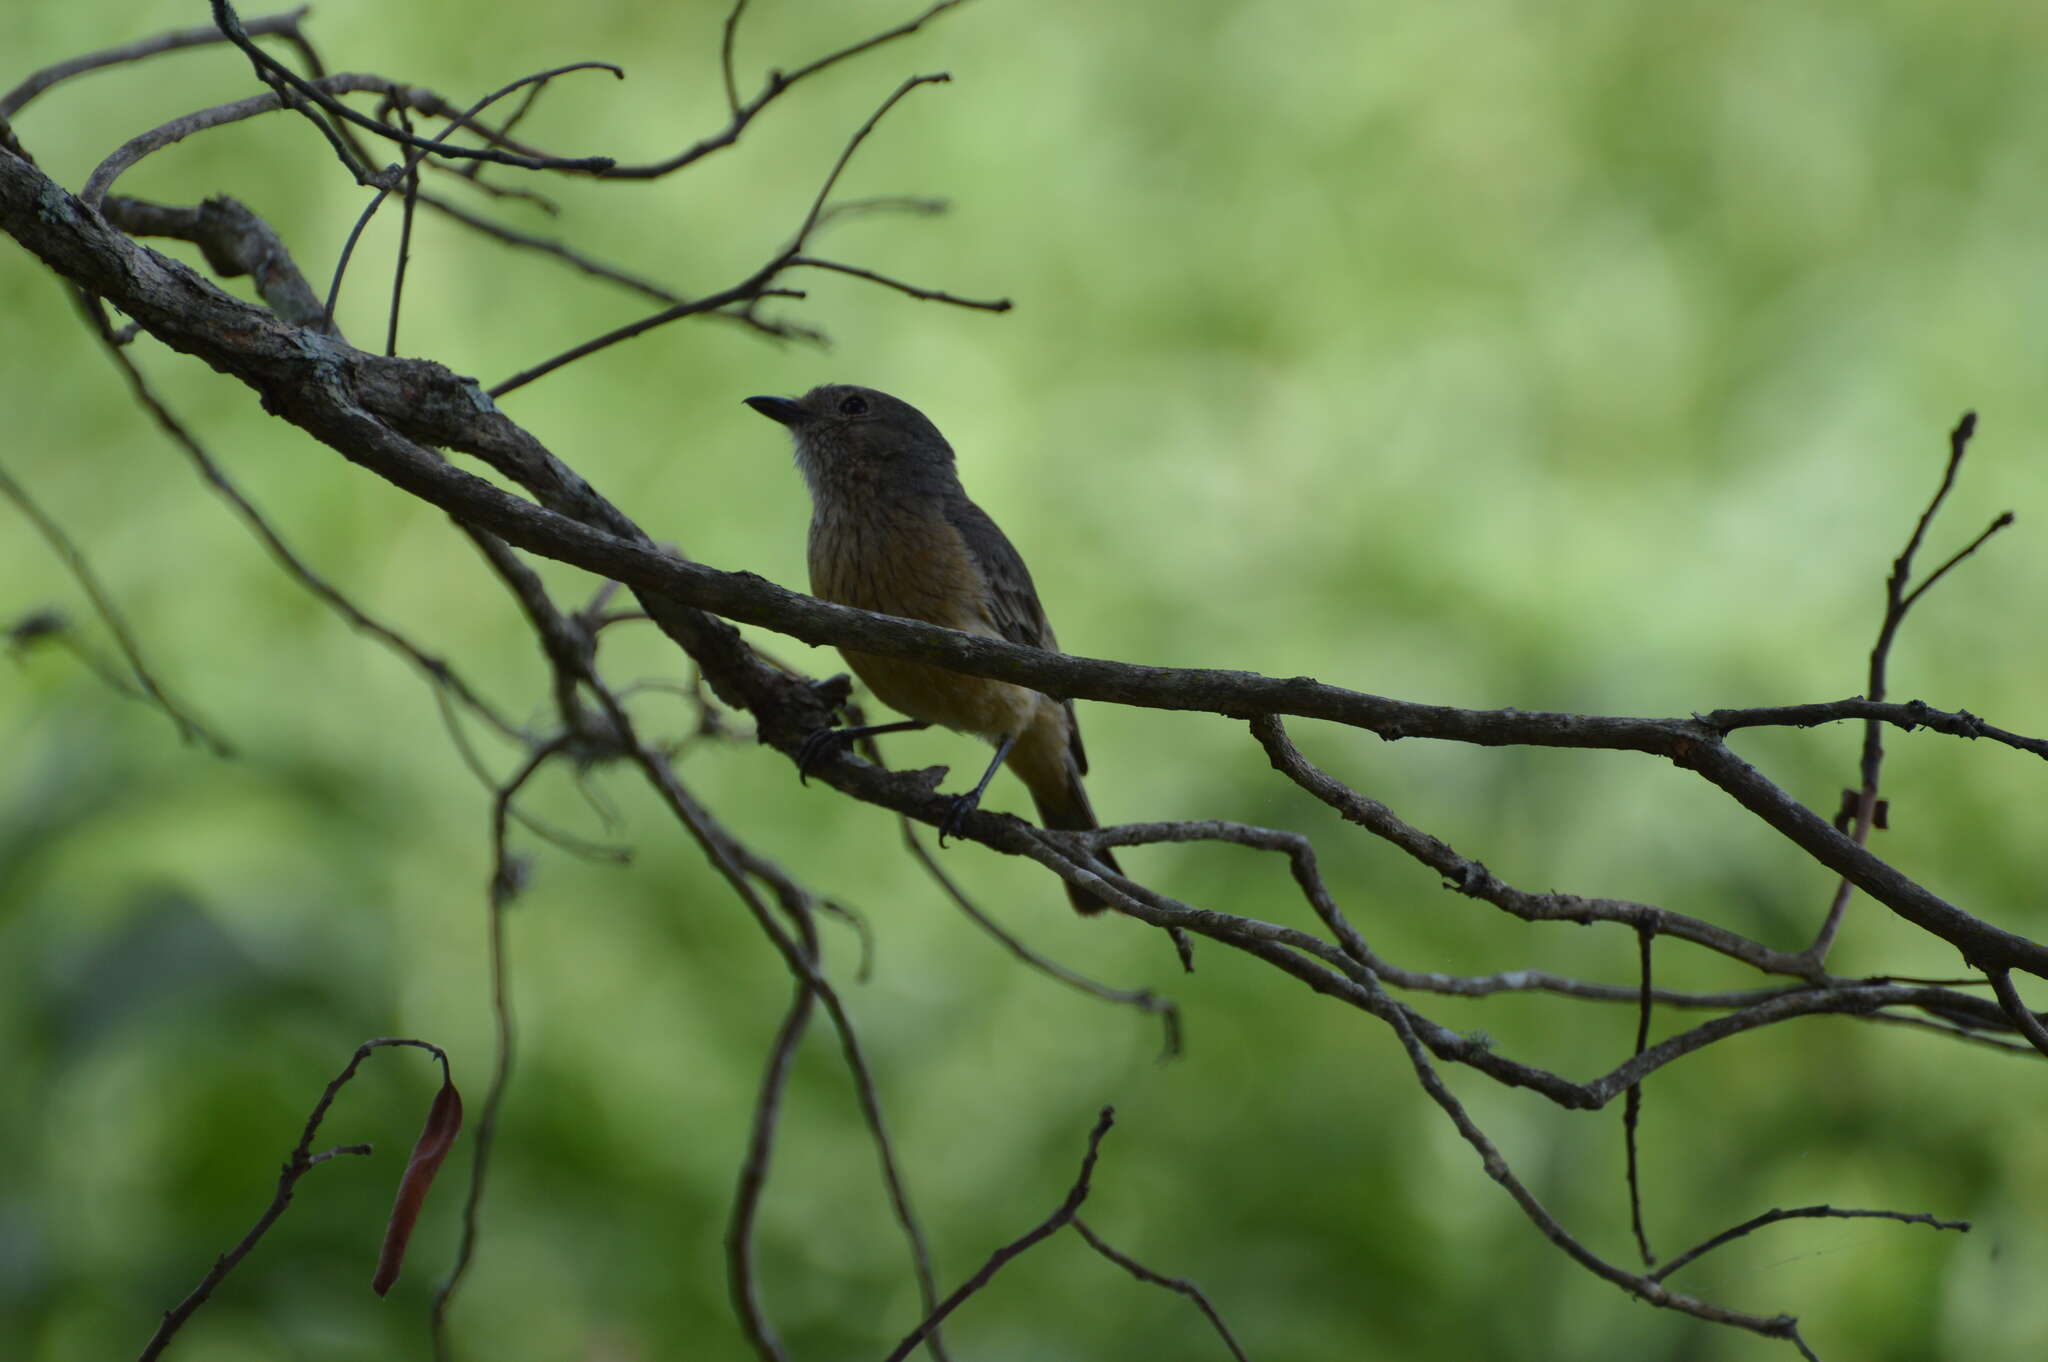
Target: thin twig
<point x="597" y="269"/>
<point x="715" y="842"/>
<point x="449" y="687"/>
<point x="500" y="137"/>
<point x="756" y="286"/>
<point x="1966" y="1035"/>
<point x="810" y="222"/>
<point x="2022" y="1016"/>
<point x="1999" y="522"/>
<point x="220" y="115"/>
<point x="779" y="83"/>
<point x="753" y="1176"/>
<point x="1144" y="999"/>
<point x="1632" y="1107"/>
<point x="569" y="652"/>
<point x="1473" y="879"/>
<point x="287" y="82"/>
<point x="1335" y="972"/>
<point x="189" y="728"/>
<point x="1898" y="601"/>
<point x="1050" y="1225"/>
<point x="1643" y="1287"/>
<point x="740" y="292"/>
<point x="918" y="205"/>
<point x="407" y="174"/>
<point x="50" y="627"/>
<point x="1773" y="1216"/>
<point x="926" y="294"/>
<point x="286" y="24"/>
<point x="297" y="1164"/>
<point x="548" y="246"/>
<point x="410" y="178"/>
<point x="1180" y="1284"/>
<point x="435" y="669"/>
<point x="507" y="878"/>
<point x="732" y="89"/>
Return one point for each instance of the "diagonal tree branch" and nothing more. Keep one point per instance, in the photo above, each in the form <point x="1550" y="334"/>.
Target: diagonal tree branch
<point x="382" y="413"/>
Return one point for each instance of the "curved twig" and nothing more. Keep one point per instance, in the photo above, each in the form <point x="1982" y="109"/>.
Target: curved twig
<point x="1774" y="1216"/>
<point x="285" y="24"/>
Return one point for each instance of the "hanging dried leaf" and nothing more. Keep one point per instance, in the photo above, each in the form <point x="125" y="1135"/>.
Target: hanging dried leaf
<point x="444" y="1123"/>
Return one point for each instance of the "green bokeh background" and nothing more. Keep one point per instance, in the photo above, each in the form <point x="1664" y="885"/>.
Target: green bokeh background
<point x="1593" y="356"/>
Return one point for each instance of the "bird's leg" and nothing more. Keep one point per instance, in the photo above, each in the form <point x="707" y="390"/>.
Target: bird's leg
<point x="960" y="806"/>
<point x="826" y="741"/>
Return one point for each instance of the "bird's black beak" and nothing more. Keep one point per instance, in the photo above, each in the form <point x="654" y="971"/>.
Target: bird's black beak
<point x="779" y="409"/>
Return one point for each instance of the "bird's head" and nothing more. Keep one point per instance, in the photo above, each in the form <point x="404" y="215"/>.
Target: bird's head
<point x="846" y="435"/>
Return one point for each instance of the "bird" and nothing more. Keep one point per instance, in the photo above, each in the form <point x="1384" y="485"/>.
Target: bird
<point x="893" y="531"/>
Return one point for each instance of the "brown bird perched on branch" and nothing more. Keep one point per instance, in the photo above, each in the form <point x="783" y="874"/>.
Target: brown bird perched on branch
<point x="893" y="531"/>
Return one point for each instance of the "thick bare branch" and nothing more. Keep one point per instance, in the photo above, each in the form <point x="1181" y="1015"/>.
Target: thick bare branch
<point x="236" y="242"/>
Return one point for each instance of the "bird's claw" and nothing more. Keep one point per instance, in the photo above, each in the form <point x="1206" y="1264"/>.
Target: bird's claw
<point x="822" y="745"/>
<point x="957" y="809"/>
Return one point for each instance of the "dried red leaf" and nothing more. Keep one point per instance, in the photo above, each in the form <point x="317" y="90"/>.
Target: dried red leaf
<point x="444" y="1123"/>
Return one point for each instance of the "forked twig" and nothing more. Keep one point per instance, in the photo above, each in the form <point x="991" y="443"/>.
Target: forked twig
<point x="760" y="284"/>
<point x="779" y="84"/>
<point x="1862" y="807"/>
<point x="297" y="1164"/>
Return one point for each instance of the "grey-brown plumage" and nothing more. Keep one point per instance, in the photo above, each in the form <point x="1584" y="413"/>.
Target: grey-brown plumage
<point x="893" y="531"/>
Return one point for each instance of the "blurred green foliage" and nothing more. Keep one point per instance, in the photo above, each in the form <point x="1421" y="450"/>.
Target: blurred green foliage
<point x="1592" y="356"/>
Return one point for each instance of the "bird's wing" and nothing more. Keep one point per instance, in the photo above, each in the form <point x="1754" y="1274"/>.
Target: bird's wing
<point x="1013" y="610"/>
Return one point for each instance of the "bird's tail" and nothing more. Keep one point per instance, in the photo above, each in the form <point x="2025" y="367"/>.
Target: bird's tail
<point x="1063" y="806"/>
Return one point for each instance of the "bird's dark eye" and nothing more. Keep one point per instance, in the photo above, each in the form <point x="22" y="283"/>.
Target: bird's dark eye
<point x="855" y="405"/>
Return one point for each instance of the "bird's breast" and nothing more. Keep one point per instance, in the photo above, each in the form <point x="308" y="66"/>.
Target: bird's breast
<point x="910" y="562"/>
<point x="897" y="561"/>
